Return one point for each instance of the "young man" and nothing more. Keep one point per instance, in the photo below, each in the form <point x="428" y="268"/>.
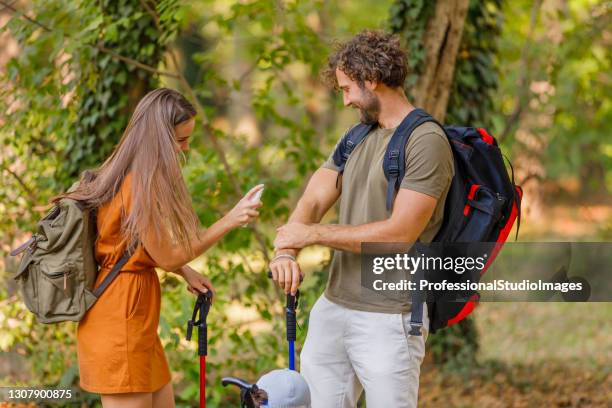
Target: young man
<point x="358" y="340"/>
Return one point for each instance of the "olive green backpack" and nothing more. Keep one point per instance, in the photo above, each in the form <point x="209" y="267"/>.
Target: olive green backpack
<point x="58" y="270"/>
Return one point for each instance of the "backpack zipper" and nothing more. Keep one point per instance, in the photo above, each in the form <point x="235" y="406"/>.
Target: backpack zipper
<point x="64" y="275"/>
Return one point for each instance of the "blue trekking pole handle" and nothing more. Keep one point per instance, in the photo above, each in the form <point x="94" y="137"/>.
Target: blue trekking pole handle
<point x="291" y="320"/>
<point x="291" y="326"/>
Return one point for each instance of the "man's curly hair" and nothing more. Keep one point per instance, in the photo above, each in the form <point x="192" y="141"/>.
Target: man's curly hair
<point x="371" y="55"/>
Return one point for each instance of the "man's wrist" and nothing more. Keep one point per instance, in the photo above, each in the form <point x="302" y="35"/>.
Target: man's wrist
<point x="287" y="251"/>
<point x="283" y="256"/>
<point x="314" y="235"/>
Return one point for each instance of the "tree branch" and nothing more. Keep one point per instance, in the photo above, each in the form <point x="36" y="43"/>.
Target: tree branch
<point x="99" y="47"/>
<point x="133" y="62"/>
<point x="12" y="2"/>
<point x="152" y="13"/>
<point x="23" y="185"/>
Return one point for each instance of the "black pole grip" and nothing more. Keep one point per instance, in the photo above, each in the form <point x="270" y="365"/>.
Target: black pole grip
<point x="202" y="339"/>
<point x="291" y="318"/>
<point x="203" y="327"/>
<point x="202" y="307"/>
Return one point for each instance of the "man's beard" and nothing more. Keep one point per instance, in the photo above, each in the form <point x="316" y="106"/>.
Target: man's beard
<point x="370" y="108"/>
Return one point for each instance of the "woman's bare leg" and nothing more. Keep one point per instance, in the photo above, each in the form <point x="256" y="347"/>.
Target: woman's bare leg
<point x="164" y="397"/>
<point x="128" y="400"/>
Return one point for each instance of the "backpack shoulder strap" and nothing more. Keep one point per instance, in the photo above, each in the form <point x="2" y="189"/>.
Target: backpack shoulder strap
<point x="394" y="160"/>
<point x="108" y="279"/>
<point x="348" y="143"/>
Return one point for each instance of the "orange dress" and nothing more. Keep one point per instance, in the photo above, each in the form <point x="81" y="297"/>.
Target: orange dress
<point x="118" y="347"/>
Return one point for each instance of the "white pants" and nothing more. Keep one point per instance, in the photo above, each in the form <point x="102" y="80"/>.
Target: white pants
<point x="347" y="351"/>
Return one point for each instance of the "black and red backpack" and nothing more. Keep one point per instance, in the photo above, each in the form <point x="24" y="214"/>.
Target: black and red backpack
<point x="481" y="206"/>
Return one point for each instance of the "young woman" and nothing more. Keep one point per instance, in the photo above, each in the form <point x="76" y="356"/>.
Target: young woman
<point x="143" y="202"/>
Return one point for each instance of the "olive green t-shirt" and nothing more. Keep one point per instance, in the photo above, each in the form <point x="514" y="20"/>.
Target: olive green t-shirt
<point x="429" y="170"/>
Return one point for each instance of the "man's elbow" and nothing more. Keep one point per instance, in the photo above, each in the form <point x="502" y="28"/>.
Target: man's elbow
<point x="309" y="206"/>
<point x="399" y="233"/>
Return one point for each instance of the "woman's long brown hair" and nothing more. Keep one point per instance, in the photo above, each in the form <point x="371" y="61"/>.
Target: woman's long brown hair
<point x="147" y="150"/>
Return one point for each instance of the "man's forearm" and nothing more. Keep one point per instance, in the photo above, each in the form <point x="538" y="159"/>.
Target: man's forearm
<point x="306" y="212"/>
<point x="412" y="211"/>
<point x="349" y="237"/>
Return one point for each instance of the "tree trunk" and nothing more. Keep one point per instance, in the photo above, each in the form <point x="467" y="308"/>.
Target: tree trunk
<point x="441" y="42"/>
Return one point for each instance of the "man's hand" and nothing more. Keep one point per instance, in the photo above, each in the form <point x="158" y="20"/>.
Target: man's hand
<point x="294" y="235"/>
<point x="286" y="272"/>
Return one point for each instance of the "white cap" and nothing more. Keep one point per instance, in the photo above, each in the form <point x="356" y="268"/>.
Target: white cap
<point x="286" y="389"/>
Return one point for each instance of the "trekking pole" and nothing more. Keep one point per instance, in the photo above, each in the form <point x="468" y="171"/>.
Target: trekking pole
<point x="290" y="316"/>
<point x="202" y="307"/>
<point x="292" y="302"/>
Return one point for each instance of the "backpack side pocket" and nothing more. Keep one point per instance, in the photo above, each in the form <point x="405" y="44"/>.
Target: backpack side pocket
<point x="57" y="292"/>
<point x="27" y="278"/>
<point x="482" y="213"/>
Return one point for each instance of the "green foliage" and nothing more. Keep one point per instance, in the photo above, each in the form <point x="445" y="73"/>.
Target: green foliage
<point x="409" y="19"/>
<point x="68" y="100"/>
<point x="455" y="347"/>
<point x="103" y="106"/>
<point x="34" y="113"/>
<point x="558" y="74"/>
<point x="581" y="76"/>
<point x="476" y="72"/>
